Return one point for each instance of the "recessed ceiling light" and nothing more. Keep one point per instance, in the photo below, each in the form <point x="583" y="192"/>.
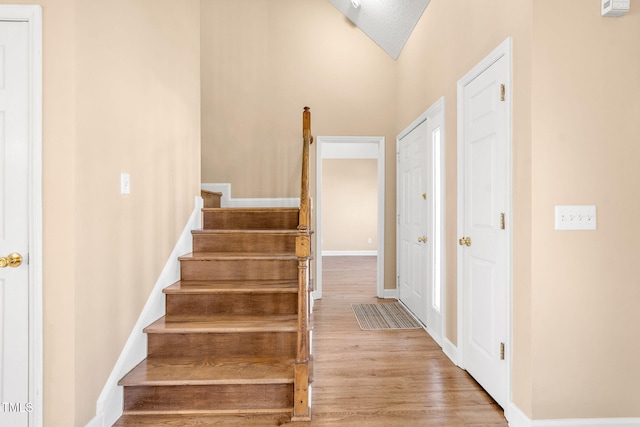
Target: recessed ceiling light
<point x="355" y="3"/>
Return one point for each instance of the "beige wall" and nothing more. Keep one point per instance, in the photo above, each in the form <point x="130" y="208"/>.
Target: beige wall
<point x="574" y="142"/>
<point x="586" y="147"/>
<point x="349" y="204"/>
<point x="262" y="62"/>
<point x="138" y="111"/>
<point x="121" y="94"/>
<point x="450" y="39"/>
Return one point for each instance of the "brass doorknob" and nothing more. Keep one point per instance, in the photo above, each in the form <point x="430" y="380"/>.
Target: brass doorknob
<point x="422" y="239"/>
<point x="465" y="241"/>
<point x="11" y="260"/>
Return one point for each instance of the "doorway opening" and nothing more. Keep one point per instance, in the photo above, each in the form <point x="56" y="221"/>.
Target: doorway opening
<point x="362" y="159"/>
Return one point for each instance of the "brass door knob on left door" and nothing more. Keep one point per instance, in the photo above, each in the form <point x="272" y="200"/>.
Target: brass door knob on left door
<point x="11" y="260"/>
<point x="465" y="241"/>
<point x="422" y="239"/>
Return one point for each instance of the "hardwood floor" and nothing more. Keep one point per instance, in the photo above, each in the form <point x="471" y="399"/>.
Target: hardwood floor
<point x="370" y="378"/>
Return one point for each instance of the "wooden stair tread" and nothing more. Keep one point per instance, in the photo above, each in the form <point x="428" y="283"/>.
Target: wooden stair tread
<point x="286" y="231"/>
<point x="289" y="210"/>
<point x="224" y="324"/>
<point x="210" y="371"/>
<point x="232" y="286"/>
<point x="235" y="256"/>
<point x="210" y="417"/>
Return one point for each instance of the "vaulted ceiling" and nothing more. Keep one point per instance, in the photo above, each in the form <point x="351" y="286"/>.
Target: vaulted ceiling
<point x="388" y="23"/>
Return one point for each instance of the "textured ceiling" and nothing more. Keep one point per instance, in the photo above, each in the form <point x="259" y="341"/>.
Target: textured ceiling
<point x="389" y="23"/>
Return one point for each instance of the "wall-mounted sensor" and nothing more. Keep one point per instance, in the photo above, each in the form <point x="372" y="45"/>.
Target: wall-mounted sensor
<point x="615" y="7"/>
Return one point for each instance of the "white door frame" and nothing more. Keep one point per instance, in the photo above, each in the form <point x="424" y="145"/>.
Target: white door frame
<point x="350" y="147"/>
<point x="438" y="107"/>
<point x="32" y="14"/>
<point x="503" y="50"/>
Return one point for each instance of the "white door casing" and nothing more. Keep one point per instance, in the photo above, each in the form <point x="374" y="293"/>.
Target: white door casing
<point x="484" y="213"/>
<point x="349" y="147"/>
<point x="20" y="215"/>
<point x="435" y="220"/>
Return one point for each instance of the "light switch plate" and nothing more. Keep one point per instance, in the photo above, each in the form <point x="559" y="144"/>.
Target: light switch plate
<point x="615" y="7"/>
<point x="575" y="217"/>
<point x="125" y="183"/>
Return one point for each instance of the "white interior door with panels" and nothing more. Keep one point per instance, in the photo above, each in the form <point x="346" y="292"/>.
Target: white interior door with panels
<point x="484" y="212"/>
<point x="420" y="218"/>
<point x="414" y="247"/>
<point x="20" y="220"/>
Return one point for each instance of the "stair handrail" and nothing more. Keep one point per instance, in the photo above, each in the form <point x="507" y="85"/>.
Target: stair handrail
<point x="305" y="196"/>
<point x="301" y="407"/>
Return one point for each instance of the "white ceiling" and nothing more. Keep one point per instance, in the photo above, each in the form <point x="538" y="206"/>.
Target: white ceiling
<point x="389" y="23"/>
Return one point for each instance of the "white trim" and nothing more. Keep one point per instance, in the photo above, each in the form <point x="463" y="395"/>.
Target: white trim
<point x="226" y="201"/>
<point x="109" y="404"/>
<point x="588" y="422"/>
<point x="335" y="146"/>
<point x="450" y="350"/>
<point x="349" y="253"/>
<point x="390" y="293"/>
<point x="503" y="50"/>
<point x="32" y="15"/>
<point x="517" y="418"/>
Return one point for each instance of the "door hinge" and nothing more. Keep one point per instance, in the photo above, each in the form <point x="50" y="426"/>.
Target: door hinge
<point x="502" y="225"/>
<point x="501" y="351"/>
<point x="398" y="218"/>
<point x="502" y="90"/>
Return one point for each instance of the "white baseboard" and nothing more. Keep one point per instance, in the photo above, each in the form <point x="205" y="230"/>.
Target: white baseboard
<point x="451" y="350"/>
<point x="517" y="418"/>
<point x="97" y="421"/>
<point x="588" y="422"/>
<point x="226" y="201"/>
<point x="349" y="253"/>
<point x="390" y="294"/>
<point x="109" y="404"/>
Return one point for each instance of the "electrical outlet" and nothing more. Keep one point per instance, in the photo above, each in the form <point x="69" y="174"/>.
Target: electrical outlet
<point x="575" y="217"/>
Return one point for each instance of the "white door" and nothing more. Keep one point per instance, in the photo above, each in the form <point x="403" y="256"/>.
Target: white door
<point x="485" y="249"/>
<point x="14" y="213"/>
<point x="414" y="218"/>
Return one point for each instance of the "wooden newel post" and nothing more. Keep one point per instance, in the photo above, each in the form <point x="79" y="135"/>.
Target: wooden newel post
<point x="304" y="223"/>
<point x="301" y="407"/>
<point x="306" y="123"/>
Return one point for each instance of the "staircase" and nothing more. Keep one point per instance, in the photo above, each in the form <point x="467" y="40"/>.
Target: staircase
<point x="235" y="337"/>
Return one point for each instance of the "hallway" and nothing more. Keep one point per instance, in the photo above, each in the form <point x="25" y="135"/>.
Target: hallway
<point x="384" y="378"/>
